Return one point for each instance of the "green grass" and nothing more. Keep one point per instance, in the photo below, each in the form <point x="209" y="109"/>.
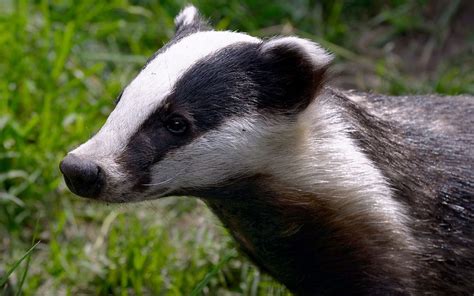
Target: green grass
<point x="63" y="62"/>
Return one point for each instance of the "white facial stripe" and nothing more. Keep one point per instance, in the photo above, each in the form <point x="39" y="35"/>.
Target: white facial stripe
<point x="212" y="158"/>
<point x="146" y="92"/>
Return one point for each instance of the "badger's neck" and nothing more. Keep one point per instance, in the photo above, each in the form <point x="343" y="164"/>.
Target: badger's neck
<point x="320" y="217"/>
<point x="310" y="243"/>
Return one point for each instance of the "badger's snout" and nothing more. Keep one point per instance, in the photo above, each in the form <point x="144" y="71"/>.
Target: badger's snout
<point x="83" y="177"/>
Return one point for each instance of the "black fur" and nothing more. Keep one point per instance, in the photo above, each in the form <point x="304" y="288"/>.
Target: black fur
<point x="426" y="152"/>
<point x="230" y="83"/>
<point x="431" y="172"/>
<point x="290" y="236"/>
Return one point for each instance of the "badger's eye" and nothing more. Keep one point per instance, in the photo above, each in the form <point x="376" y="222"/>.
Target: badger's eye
<point x="177" y="125"/>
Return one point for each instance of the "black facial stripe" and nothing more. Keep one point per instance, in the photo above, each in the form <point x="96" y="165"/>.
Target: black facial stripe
<point x="230" y="83"/>
<point x="215" y="88"/>
<point x="150" y="144"/>
<point x="218" y="87"/>
<point x="239" y="78"/>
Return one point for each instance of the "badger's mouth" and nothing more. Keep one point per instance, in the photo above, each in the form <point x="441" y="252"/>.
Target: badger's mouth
<point x="87" y="179"/>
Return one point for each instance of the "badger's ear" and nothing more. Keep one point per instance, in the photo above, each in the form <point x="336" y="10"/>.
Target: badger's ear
<point x="189" y="21"/>
<point x="296" y="70"/>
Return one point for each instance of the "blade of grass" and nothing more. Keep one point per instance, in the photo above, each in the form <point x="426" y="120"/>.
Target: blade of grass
<point x="23" y="276"/>
<point x="28" y="260"/>
<point x="4" y="279"/>
<point x="8" y="197"/>
<point x="64" y="48"/>
<point x="198" y="289"/>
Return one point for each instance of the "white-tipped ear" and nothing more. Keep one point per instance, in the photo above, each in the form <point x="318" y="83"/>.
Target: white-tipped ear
<point x="187" y="16"/>
<point x="315" y="54"/>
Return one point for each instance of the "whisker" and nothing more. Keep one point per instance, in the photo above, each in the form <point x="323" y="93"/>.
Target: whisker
<point x="167" y="180"/>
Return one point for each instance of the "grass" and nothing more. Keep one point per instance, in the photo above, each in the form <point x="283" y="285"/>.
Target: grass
<point x="62" y="64"/>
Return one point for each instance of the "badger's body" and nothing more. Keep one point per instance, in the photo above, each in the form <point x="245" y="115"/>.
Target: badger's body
<point x="330" y="192"/>
<point x="423" y="147"/>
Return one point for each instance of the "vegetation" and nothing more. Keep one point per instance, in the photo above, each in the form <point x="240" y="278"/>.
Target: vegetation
<point x="63" y="62"/>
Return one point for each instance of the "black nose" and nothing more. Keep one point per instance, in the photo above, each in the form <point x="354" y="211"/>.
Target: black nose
<point x="83" y="177"/>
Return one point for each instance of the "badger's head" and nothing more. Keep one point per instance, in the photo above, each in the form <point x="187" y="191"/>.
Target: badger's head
<point x="209" y="107"/>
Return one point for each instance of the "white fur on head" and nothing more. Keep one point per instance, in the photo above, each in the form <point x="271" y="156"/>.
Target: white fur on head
<point x="318" y="56"/>
<point x="148" y="90"/>
<point x="187" y="16"/>
<point x="230" y="150"/>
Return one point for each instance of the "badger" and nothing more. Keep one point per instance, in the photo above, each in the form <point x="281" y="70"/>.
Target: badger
<point x="330" y="192"/>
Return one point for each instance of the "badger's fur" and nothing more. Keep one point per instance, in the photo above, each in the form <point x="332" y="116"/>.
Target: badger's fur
<point x="329" y="191"/>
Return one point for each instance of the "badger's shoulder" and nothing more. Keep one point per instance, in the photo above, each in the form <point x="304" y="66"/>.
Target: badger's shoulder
<point x="424" y="145"/>
<point x="439" y="128"/>
<point x="449" y="115"/>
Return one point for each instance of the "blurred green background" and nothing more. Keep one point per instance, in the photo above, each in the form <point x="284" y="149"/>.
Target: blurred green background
<point x="63" y="62"/>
